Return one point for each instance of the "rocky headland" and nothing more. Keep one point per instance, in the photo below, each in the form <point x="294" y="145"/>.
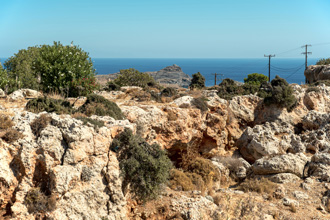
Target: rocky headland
<point x="69" y="168"/>
<point x="170" y="75"/>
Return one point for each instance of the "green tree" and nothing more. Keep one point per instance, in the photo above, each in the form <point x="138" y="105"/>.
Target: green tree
<point x="3" y="78"/>
<point x="132" y="77"/>
<point x="63" y="67"/>
<point x="323" y="62"/>
<point x="256" y="79"/>
<point x="21" y="72"/>
<point x="145" y="167"/>
<point x="197" y="81"/>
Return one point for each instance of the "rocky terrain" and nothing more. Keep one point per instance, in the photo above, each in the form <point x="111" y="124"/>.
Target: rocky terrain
<point x="172" y="75"/>
<point x="314" y="73"/>
<point x="70" y="170"/>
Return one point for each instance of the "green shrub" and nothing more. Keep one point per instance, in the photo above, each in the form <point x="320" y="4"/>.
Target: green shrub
<point x="96" y="123"/>
<point x="132" y="77"/>
<point x="3" y="78"/>
<point x="49" y="105"/>
<point x="111" y="86"/>
<point x="323" y="62"/>
<point x="200" y="103"/>
<point x="312" y="89"/>
<point x="281" y="94"/>
<point x="169" y="92"/>
<point x="98" y="105"/>
<point x="145" y="168"/>
<point x="228" y="89"/>
<point x="197" y="81"/>
<point x="256" y="79"/>
<point x="40" y="124"/>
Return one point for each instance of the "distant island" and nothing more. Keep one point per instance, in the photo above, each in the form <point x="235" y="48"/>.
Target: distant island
<point x="172" y="75"/>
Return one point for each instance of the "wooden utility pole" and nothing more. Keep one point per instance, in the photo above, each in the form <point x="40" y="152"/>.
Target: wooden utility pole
<point x="306" y="55"/>
<point x="269" y="56"/>
<point x="215" y="77"/>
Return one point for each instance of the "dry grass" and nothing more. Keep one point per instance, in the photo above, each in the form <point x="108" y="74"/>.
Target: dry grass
<point x="55" y="95"/>
<point x="12" y="135"/>
<point x="186" y="181"/>
<point x="171" y="116"/>
<point x="40" y="124"/>
<point x="5" y="122"/>
<point x="260" y="186"/>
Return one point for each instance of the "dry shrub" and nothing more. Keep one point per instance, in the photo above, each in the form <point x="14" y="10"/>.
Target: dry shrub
<point x="185" y="181"/>
<point x="37" y="202"/>
<point x="262" y="185"/>
<point x="200" y="103"/>
<point x="5" y="122"/>
<point x="205" y="169"/>
<point x="171" y="116"/>
<point x="293" y="208"/>
<point x="184" y="105"/>
<point x="12" y="135"/>
<point x="40" y="124"/>
<point x="231" y="163"/>
<point x="78" y="114"/>
<point x="217" y="199"/>
<point x="140" y="95"/>
<point x="166" y="99"/>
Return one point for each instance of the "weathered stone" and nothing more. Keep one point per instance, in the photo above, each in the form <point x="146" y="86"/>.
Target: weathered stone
<point x="315" y="73"/>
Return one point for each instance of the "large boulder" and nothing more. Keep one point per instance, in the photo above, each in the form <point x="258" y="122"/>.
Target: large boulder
<point x="172" y="75"/>
<point x="315" y="73"/>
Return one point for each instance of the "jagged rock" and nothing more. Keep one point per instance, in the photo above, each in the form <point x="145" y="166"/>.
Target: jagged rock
<point x="320" y="166"/>
<point x="315" y="73"/>
<point x="130" y="88"/>
<point x="315" y="120"/>
<point x="289" y="202"/>
<point x="283" y="178"/>
<point x="300" y="195"/>
<point x="172" y="75"/>
<point x="264" y="140"/>
<point x="287" y="163"/>
<point x="23" y="93"/>
<point x="184" y="101"/>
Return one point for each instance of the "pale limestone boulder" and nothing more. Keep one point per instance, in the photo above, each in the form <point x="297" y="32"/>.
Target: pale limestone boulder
<point x="287" y="163"/>
<point x="184" y="101"/>
<point x="2" y="94"/>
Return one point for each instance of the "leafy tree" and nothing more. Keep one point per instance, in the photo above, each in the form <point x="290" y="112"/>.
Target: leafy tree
<point x="132" y="77"/>
<point x="61" y="66"/>
<point x="281" y="94"/>
<point x="3" y="78"/>
<point x="21" y="72"/>
<point x="198" y="81"/>
<point x="256" y="78"/>
<point x="145" y="167"/>
<point x="323" y="62"/>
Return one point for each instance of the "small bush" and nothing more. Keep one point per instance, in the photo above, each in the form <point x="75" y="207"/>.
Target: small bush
<point x="40" y="124"/>
<point x="49" y="105"/>
<point x="111" y="86"/>
<point x="200" y="103"/>
<point x="262" y="185"/>
<point x="180" y="180"/>
<point x="228" y="89"/>
<point x="96" y="123"/>
<point x="281" y="94"/>
<point x="197" y="81"/>
<point x="320" y="82"/>
<point x="98" y="105"/>
<point x="37" y="202"/>
<point x="169" y="92"/>
<point x="171" y="116"/>
<point x="323" y="62"/>
<point x="145" y="168"/>
<point x="256" y="79"/>
<point x="5" y="122"/>
<point x="205" y="169"/>
<point x="132" y="77"/>
<point x="12" y="135"/>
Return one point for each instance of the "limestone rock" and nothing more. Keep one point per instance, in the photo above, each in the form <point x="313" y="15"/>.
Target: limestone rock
<point x="23" y="93"/>
<point x="287" y="163"/>
<point x="315" y="73"/>
<point x="320" y="166"/>
<point x="2" y="94"/>
<point x="289" y="202"/>
<point x="172" y="75"/>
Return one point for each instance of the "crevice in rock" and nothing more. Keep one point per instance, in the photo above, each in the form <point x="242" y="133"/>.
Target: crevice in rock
<point x="65" y="145"/>
<point x="41" y="177"/>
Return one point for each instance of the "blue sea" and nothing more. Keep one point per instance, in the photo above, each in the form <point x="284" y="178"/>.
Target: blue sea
<point x="292" y="69"/>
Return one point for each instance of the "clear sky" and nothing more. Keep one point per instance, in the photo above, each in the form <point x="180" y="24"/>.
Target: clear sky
<point x="168" y="28"/>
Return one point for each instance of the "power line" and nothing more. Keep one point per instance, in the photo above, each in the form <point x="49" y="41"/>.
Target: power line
<point x="294" y="72"/>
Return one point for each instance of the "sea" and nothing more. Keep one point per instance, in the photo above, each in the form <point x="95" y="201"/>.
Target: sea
<point x="291" y="69"/>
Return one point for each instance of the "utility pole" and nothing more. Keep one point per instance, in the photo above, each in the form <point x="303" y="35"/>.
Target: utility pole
<point x="306" y="53"/>
<point x="215" y="78"/>
<point x="269" y="56"/>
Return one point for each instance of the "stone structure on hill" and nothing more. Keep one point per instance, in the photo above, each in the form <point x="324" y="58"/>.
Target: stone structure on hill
<point x="315" y="73"/>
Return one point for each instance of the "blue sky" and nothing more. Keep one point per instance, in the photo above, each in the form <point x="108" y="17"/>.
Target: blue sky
<point x="168" y="29"/>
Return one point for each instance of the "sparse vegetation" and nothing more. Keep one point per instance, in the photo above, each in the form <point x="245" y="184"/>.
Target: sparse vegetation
<point x="5" y="122"/>
<point x="197" y="81"/>
<point x="37" y="202"/>
<point x="312" y="89"/>
<point x="145" y="168"/>
<point x="98" y="105"/>
<point x="96" y="123"/>
<point x="12" y="135"/>
<point x="132" y="77"/>
<point x="281" y="94"/>
<point x="323" y="62"/>
<point x="169" y="92"/>
<point x="200" y="103"/>
<point x="40" y="124"/>
<point x="262" y="185"/>
<point x="112" y="86"/>
<point x="49" y="105"/>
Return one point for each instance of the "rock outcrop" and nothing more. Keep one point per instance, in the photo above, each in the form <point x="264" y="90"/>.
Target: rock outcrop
<point x="315" y="73"/>
<point x="172" y="75"/>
